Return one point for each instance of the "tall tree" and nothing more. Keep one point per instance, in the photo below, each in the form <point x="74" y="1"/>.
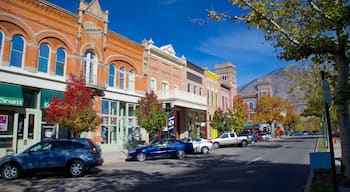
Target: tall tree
<point x="291" y="120"/>
<point x="151" y="116"/>
<point x="270" y="109"/>
<point x="313" y="29"/>
<point x="75" y="110"/>
<point x="238" y="114"/>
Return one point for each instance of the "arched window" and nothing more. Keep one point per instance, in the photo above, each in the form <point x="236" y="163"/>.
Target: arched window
<point x="60" y="61"/>
<point x="122" y="78"/>
<point x="131" y="82"/>
<point x="44" y="55"/>
<point x="17" y="51"/>
<point x="90" y="67"/>
<point x="1" y="44"/>
<point x="111" y="76"/>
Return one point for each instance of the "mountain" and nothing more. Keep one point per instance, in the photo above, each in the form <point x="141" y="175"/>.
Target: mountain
<point x="280" y="83"/>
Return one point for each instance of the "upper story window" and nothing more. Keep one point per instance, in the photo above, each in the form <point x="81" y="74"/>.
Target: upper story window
<point x="224" y="77"/>
<point x="194" y="89"/>
<point x="1" y="44"/>
<point x="90" y="67"/>
<point x="131" y="82"/>
<point x="251" y="105"/>
<point x="111" y="75"/>
<point x="200" y="91"/>
<point x="189" y="88"/>
<point x="60" y="62"/>
<point x="176" y="88"/>
<point x="17" y="51"/>
<point x="165" y="86"/>
<point x="153" y="84"/>
<point x="44" y="57"/>
<point x="122" y="78"/>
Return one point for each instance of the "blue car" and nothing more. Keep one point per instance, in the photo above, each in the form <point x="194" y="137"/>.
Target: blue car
<point x="75" y="156"/>
<point x="167" y="148"/>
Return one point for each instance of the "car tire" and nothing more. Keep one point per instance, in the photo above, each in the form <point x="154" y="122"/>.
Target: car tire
<point x="180" y="154"/>
<point x="77" y="168"/>
<point x="10" y="171"/>
<point x="216" y="145"/>
<point x="205" y="150"/>
<point x="141" y="157"/>
<point x="244" y="144"/>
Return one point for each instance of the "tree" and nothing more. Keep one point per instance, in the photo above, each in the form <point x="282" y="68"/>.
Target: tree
<point x="301" y="30"/>
<point x="75" y="110"/>
<point x="291" y="120"/>
<point x="221" y="121"/>
<point x="151" y="116"/>
<point x="238" y="114"/>
<point x="270" y="109"/>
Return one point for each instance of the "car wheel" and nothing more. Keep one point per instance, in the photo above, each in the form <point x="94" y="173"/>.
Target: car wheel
<point x="141" y="157"/>
<point x="180" y="154"/>
<point x="10" y="171"/>
<point x="244" y="143"/>
<point x="205" y="150"/>
<point x="77" y="168"/>
<point x="216" y="145"/>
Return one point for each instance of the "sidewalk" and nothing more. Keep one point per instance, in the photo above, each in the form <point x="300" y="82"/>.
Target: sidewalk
<point x="337" y="157"/>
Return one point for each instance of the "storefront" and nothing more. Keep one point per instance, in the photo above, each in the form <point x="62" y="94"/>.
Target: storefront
<point x="21" y="117"/>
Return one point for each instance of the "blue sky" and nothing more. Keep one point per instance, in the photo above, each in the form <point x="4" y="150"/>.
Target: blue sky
<point x="168" y="22"/>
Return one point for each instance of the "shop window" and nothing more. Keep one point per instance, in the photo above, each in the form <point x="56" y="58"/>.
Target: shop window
<point x="17" y="51"/>
<point x="31" y="126"/>
<point x="29" y="98"/>
<point x="44" y="56"/>
<point x="20" y="126"/>
<point x="60" y="62"/>
<point x="105" y="107"/>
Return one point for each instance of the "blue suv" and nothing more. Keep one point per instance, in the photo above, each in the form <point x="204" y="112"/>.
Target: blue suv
<point x="76" y="156"/>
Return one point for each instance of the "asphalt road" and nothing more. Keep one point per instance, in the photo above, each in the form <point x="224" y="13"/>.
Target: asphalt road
<point x="281" y="165"/>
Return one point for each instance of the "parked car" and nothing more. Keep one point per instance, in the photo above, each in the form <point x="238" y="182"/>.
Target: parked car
<point x="264" y="136"/>
<point x="75" y="156"/>
<point x="230" y="138"/>
<point x="165" y="148"/>
<point x="199" y="145"/>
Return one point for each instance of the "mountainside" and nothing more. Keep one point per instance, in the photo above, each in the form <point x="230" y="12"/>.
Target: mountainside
<point x="280" y="85"/>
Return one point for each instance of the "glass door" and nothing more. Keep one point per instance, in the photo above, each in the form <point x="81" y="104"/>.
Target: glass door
<point x="28" y="131"/>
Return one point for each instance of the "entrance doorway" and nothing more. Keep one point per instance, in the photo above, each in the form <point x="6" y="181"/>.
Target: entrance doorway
<point x="27" y="129"/>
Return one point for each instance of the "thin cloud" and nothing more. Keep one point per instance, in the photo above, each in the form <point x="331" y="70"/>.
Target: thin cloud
<point x="167" y="2"/>
<point x="231" y="45"/>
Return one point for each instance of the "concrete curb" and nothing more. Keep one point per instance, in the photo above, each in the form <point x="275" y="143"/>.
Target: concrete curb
<point x="311" y="174"/>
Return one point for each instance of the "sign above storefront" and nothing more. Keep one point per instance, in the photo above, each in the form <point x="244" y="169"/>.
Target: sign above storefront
<point x="11" y="95"/>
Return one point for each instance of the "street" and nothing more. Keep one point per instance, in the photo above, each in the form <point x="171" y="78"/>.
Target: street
<point x="281" y="165"/>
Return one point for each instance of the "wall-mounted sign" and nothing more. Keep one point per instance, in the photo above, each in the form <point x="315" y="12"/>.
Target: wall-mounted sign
<point x="91" y="29"/>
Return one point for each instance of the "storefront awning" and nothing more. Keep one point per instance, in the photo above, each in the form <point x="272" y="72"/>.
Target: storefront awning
<point x="47" y="96"/>
<point x="11" y="95"/>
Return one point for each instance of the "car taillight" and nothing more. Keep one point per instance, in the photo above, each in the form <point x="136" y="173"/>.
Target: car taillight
<point x="92" y="148"/>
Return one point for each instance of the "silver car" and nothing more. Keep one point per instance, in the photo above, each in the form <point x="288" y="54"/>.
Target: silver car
<point x="200" y="145"/>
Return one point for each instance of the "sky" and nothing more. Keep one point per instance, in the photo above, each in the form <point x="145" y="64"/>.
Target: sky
<point x="170" y="22"/>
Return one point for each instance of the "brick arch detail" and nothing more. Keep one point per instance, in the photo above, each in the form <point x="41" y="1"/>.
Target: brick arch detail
<point x="123" y="58"/>
<point x="56" y="35"/>
<point x="27" y="31"/>
<point x="91" y="46"/>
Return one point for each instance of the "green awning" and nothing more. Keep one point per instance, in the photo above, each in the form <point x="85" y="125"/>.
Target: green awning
<point x="11" y="94"/>
<point x="47" y="96"/>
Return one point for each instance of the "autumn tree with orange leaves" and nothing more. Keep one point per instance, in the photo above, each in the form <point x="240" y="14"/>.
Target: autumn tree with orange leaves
<point x="270" y="109"/>
<point x="75" y="110"/>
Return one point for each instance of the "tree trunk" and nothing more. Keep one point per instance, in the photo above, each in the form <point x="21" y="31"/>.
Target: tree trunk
<point x="342" y="106"/>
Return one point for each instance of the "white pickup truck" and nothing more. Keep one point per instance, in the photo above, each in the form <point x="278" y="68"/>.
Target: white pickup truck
<point x="231" y="138"/>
